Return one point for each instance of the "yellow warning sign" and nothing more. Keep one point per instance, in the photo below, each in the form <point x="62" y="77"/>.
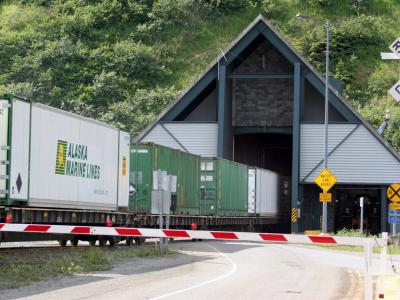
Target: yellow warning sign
<point x="325" y="180"/>
<point x="325" y="197"/>
<point x="394" y="206"/>
<point x="393" y="192"/>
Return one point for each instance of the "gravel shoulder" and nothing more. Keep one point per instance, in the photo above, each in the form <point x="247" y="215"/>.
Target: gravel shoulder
<point x="122" y="265"/>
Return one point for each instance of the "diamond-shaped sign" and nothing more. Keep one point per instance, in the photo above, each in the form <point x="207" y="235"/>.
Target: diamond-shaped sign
<point x="395" y="91"/>
<point x="395" y="46"/>
<point x="393" y="192"/>
<point x="19" y="183"/>
<point x="325" y="180"/>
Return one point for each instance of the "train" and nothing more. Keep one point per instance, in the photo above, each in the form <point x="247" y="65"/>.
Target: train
<point x="58" y="167"/>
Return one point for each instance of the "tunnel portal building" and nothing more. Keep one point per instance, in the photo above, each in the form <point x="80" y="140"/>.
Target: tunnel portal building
<point x="262" y="104"/>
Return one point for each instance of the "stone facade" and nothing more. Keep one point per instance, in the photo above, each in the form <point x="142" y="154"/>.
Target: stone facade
<point x="263" y="102"/>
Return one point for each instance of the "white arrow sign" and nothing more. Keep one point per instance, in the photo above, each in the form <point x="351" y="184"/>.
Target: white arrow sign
<point x="395" y="91"/>
<point x="390" y="55"/>
<point x="395" y="46"/>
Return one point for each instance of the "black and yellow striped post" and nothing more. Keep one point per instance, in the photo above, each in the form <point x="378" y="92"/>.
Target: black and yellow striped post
<point x="294" y="215"/>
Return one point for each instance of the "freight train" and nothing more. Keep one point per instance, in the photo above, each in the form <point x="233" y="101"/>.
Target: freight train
<point x="58" y="167"/>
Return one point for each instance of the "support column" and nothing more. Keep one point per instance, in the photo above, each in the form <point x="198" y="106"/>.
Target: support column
<point x="384" y="209"/>
<point x="296" y="146"/>
<point x="221" y="108"/>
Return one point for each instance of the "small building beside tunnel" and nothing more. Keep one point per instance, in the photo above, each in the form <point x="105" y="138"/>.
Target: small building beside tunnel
<point x="261" y="103"/>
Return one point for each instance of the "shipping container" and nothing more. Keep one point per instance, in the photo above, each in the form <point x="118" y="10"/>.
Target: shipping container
<point x="58" y="159"/>
<point x="147" y="158"/>
<point x="224" y="188"/>
<point x="264" y="192"/>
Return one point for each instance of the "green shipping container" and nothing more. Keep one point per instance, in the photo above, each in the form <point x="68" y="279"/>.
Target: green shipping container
<point x="223" y="188"/>
<point x="146" y="158"/>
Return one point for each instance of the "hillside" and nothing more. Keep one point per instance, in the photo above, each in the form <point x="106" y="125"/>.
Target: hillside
<point x="123" y="61"/>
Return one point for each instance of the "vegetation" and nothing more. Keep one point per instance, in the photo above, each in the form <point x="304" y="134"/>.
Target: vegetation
<point x="123" y="61"/>
<point x="21" y="269"/>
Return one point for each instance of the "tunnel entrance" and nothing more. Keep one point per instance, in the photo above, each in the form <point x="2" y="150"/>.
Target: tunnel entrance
<point x="265" y="150"/>
<point x="347" y="209"/>
<point x="344" y="211"/>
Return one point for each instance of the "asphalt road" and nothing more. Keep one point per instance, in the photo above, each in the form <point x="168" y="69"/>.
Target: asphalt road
<point x="227" y="270"/>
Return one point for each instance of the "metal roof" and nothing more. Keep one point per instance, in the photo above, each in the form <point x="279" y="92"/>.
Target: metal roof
<point x="256" y="21"/>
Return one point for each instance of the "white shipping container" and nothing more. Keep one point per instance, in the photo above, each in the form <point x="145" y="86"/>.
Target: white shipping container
<point x="267" y="192"/>
<point x="251" y="192"/>
<point x="73" y="162"/>
<point x="3" y="146"/>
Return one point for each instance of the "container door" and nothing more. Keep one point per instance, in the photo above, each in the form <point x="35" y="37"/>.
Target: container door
<point x="208" y="188"/>
<point x="251" y="208"/>
<point x="19" y="177"/>
<point x="123" y="173"/>
<point x="267" y="192"/>
<point x="141" y="178"/>
<point x="4" y="108"/>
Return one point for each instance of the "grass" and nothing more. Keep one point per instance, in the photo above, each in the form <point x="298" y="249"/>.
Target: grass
<point x="22" y="268"/>
<point x="392" y="249"/>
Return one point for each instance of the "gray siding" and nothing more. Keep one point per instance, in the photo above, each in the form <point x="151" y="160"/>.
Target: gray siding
<point x="361" y="158"/>
<point x="197" y="138"/>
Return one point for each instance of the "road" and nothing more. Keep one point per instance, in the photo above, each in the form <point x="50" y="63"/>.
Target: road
<point x="227" y="270"/>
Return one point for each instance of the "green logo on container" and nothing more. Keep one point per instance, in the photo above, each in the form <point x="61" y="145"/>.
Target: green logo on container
<point x="72" y="160"/>
<point x="61" y="156"/>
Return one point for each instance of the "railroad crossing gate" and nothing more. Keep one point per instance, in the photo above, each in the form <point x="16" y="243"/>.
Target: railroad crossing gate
<point x="325" y="180"/>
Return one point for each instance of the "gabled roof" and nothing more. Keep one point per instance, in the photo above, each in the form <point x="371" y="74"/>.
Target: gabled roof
<point x="262" y="26"/>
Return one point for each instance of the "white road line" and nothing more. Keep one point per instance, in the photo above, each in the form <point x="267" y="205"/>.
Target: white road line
<point x="233" y="270"/>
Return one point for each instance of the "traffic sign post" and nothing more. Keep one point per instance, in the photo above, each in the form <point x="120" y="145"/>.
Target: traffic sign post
<point x="393" y="194"/>
<point x="394" y="216"/>
<point x="325" y="197"/>
<point x="395" y="46"/>
<point x="394" y="206"/>
<point x="325" y="180"/>
<point x="395" y="91"/>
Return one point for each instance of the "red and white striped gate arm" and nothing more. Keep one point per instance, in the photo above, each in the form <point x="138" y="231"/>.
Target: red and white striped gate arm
<point x="194" y="234"/>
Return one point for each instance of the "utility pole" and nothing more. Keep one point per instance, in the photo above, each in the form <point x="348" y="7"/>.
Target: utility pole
<point x="326" y="114"/>
<point x="325" y="204"/>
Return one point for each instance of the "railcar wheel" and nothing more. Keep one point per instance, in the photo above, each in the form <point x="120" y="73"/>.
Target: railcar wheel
<point x="103" y="241"/>
<point x="112" y="241"/>
<point x="92" y="242"/>
<point x="74" y="242"/>
<point x="129" y="241"/>
<point x="62" y="243"/>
